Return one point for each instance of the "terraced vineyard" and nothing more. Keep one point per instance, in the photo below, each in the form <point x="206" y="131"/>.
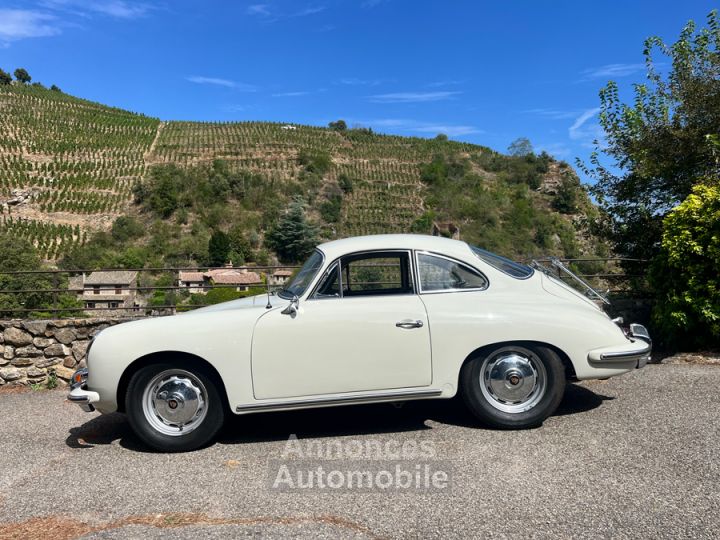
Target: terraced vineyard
<point x="68" y="166"/>
<point x="387" y="193"/>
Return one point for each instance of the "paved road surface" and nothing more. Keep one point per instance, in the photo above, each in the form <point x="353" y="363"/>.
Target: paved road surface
<point x="636" y="456"/>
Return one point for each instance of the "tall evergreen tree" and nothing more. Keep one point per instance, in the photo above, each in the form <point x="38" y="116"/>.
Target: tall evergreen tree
<point x="293" y="237"/>
<point x="218" y="248"/>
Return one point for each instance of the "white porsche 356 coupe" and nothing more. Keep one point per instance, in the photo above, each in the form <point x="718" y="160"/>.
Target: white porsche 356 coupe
<point x="371" y="319"/>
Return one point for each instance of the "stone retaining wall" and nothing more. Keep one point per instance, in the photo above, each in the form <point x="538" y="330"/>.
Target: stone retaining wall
<point x="30" y="350"/>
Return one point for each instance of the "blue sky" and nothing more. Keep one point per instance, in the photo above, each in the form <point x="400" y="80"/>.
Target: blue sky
<point x="483" y="72"/>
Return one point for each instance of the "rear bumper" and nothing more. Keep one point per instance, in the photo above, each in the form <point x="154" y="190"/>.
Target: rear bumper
<point x="634" y="354"/>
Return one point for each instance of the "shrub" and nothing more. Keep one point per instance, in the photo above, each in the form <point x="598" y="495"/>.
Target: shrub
<point x="566" y="198"/>
<point x="685" y="274"/>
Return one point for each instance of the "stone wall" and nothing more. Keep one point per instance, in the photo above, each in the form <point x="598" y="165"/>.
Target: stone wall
<point x="30" y="350"/>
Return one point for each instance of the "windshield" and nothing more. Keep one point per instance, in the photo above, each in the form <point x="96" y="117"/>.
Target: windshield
<point x="511" y="268"/>
<point x="304" y="277"/>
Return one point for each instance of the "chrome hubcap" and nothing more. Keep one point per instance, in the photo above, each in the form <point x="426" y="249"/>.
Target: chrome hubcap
<point x="513" y="380"/>
<point x="175" y="402"/>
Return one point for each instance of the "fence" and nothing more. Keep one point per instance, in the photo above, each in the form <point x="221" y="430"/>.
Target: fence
<point x="135" y="291"/>
<point x="47" y="300"/>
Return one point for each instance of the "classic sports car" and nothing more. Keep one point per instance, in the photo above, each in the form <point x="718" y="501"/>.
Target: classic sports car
<point x="370" y="319"/>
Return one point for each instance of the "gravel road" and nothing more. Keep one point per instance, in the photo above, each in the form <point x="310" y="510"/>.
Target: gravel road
<point x="635" y="456"/>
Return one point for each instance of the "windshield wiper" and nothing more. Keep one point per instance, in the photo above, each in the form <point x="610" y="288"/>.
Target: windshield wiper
<point x="557" y="263"/>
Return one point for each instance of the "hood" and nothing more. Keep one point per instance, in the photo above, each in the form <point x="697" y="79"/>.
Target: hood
<point x="562" y="290"/>
<point x="258" y="302"/>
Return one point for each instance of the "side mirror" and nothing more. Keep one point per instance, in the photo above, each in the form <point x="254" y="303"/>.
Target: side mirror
<point x="292" y="307"/>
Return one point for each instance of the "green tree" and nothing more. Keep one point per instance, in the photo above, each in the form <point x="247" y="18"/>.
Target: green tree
<point x="17" y="254"/>
<point x="293" y="237"/>
<point x="55" y="88"/>
<point x="5" y="77"/>
<point x="218" y="248"/>
<point x="127" y="228"/>
<point x="566" y="198"/>
<point x="685" y="274"/>
<point x="338" y="125"/>
<point x="520" y="147"/>
<point x="21" y="75"/>
<point x="656" y="147"/>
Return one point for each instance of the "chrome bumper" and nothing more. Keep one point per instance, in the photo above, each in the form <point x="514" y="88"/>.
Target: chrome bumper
<point x="80" y="394"/>
<point x="638" y="351"/>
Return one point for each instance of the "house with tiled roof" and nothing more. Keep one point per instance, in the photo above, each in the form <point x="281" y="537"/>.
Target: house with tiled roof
<point x="107" y="292"/>
<point x="201" y="282"/>
<point x="280" y="276"/>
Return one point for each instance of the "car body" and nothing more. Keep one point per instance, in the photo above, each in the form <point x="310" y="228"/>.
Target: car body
<point x="368" y="319"/>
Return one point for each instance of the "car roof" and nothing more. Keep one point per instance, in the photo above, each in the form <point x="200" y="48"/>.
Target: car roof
<point x="338" y="248"/>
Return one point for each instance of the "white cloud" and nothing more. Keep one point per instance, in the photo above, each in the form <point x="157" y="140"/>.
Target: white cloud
<point x="269" y="15"/>
<point x="259" y="9"/>
<point x="582" y="131"/>
<point x="291" y="94"/>
<point x="222" y="82"/>
<point x="119" y="9"/>
<point x="554" y="114"/>
<point x="354" y="81"/>
<point x="612" y="70"/>
<point x="23" y="23"/>
<point x="312" y="10"/>
<point x="440" y="84"/>
<point x="412" y="97"/>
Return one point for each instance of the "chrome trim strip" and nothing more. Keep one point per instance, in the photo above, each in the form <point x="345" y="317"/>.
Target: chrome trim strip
<point x="344" y="400"/>
<point x="626" y="356"/>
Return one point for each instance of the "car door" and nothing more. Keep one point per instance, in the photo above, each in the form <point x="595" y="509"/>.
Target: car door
<point x="363" y="329"/>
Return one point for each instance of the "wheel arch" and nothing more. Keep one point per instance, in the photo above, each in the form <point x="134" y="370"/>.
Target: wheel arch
<point x="168" y="356"/>
<point x="570" y="374"/>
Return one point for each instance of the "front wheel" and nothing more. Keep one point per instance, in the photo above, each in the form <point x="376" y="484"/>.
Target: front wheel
<point x="513" y="386"/>
<point x="172" y="408"/>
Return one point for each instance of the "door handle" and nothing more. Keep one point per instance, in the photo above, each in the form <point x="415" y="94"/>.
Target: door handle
<point x="408" y="324"/>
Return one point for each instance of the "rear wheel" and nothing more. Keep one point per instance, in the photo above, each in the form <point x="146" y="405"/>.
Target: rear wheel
<point x="173" y="407"/>
<point x="514" y="386"/>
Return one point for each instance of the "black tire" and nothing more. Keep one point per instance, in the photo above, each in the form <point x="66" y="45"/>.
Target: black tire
<point x="199" y="431"/>
<point x="485" y="401"/>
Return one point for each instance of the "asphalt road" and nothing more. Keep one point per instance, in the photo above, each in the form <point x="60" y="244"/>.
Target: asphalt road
<point x="636" y="456"/>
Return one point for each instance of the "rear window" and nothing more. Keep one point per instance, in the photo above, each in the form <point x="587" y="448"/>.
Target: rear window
<point x="511" y="268"/>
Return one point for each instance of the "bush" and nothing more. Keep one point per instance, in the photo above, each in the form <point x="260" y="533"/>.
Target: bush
<point x="127" y="228"/>
<point x="685" y="274"/>
<point x="345" y="183"/>
<point x="318" y="163"/>
<point x="339" y="125"/>
<point x="566" y="198"/>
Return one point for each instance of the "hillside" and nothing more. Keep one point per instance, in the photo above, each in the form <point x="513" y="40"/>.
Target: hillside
<point x="68" y="167"/>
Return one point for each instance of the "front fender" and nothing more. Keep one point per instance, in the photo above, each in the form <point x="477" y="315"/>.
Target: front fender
<point x="222" y="338"/>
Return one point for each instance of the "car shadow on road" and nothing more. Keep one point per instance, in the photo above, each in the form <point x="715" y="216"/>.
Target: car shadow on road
<point x="325" y="422"/>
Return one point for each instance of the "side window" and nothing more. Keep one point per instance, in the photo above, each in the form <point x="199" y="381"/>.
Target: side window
<point x="330" y="286"/>
<point x="376" y="273"/>
<point x="441" y="274"/>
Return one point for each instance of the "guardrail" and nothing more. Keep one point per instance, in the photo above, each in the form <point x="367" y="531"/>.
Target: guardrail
<point x="47" y="300"/>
